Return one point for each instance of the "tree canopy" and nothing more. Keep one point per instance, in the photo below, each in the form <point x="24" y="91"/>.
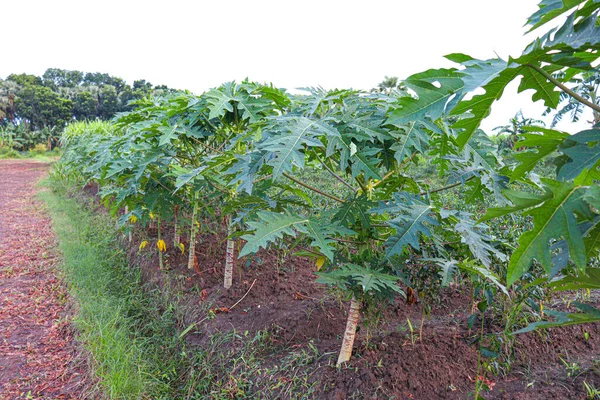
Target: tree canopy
<point x="60" y="96"/>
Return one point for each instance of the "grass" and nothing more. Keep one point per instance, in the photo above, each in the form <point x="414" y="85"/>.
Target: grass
<point x="46" y="156"/>
<point x="125" y="330"/>
<point x="131" y="332"/>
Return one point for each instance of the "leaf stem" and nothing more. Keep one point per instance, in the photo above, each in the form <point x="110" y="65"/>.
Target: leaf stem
<point x="336" y="176"/>
<point x="571" y="93"/>
<point x="446" y="187"/>
<point x="314" y="189"/>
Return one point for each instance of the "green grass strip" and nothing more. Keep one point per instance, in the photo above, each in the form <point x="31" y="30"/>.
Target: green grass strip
<point x="126" y="331"/>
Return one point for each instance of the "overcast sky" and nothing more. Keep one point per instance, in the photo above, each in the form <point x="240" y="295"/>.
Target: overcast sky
<point x="197" y="45"/>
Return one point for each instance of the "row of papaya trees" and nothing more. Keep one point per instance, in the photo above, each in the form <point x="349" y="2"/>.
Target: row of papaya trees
<point x="240" y="151"/>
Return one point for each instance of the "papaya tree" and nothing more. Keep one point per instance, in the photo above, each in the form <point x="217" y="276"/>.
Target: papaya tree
<point x="366" y="143"/>
<point x="565" y="207"/>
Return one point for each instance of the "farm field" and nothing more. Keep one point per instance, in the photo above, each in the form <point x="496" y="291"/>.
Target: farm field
<point x="256" y="242"/>
<point x="281" y="338"/>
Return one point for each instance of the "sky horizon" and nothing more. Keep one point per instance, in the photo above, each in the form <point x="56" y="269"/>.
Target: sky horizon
<point x="334" y="44"/>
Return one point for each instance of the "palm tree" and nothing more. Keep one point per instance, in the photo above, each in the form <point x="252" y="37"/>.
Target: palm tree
<point x="8" y="90"/>
<point x="587" y="85"/>
<point x="389" y="85"/>
<point x="515" y="128"/>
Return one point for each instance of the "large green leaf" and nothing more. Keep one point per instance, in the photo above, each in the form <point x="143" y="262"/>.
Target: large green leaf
<point x="447" y="270"/>
<point x="588" y="280"/>
<point x="409" y="138"/>
<point x="363" y="162"/>
<point x="410" y="226"/>
<point x="480" y="105"/>
<point x="472" y="268"/>
<point x="473" y="235"/>
<point x="583" y="149"/>
<point x="321" y="232"/>
<point x="245" y="170"/>
<point x="185" y="178"/>
<point x="553" y="219"/>
<point x="220" y="101"/>
<point x="550" y="9"/>
<point x="543" y="88"/>
<point x="520" y="200"/>
<point x="592" y="240"/>
<point x="270" y="227"/>
<point x="354" y="211"/>
<point x="287" y="139"/>
<point x="431" y="99"/>
<point x="543" y="145"/>
<point x="353" y="276"/>
<point x="587" y="316"/>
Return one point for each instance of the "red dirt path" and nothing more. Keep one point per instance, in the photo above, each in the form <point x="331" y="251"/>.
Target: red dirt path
<point x="37" y="356"/>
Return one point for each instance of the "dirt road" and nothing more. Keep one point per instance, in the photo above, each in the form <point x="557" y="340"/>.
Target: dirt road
<point x="37" y="354"/>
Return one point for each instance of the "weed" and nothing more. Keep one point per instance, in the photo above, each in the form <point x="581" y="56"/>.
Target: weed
<point x="591" y="391"/>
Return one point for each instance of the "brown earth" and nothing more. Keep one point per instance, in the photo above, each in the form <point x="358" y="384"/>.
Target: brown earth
<point x="38" y="358"/>
<point x="441" y="362"/>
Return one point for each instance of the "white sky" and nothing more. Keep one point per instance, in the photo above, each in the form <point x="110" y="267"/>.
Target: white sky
<point x="197" y="45"/>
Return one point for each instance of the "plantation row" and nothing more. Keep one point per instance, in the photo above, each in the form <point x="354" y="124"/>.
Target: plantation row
<point x="331" y="174"/>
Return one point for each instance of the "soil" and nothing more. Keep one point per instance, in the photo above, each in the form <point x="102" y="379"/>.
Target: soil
<point x="279" y="294"/>
<point x="38" y="355"/>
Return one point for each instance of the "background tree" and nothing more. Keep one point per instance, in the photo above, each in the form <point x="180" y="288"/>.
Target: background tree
<point x="515" y="127"/>
<point x="60" y="96"/>
<point x="8" y="90"/>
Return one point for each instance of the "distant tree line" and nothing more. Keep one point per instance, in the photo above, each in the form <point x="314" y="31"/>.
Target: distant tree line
<point x="60" y="96"/>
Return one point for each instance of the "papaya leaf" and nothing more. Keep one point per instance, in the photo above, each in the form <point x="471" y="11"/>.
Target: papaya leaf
<point x="520" y="200"/>
<point x="364" y="279"/>
<point x="448" y="269"/>
<point x="363" y="162"/>
<point x="472" y="268"/>
<point x="473" y="235"/>
<point x="409" y="138"/>
<point x="550" y="9"/>
<point x="320" y="233"/>
<point x="287" y="138"/>
<point x="184" y="179"/>
<point x="480" y="105"/>
<point x="553" y="219"/>
<point x="588" y="280"/>
<point x="355" y="210"/>
<point x="270" y="227"/>
<point x="583" y="150"/>
<point x="543" y="88"/>
<point x="245" y="170"/>
<point x="431" y="100"/>
<point x="592" y="240"/>
<point x="220" y="100"/>
<point x="587" y="316"/>
<point x="409" y="227"/>
<point x="544" y="145"/>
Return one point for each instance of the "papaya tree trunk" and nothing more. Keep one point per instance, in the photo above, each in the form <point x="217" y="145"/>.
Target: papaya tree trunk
<point x="192" y="249"/>
<point x="350" y="333"/>
<point x="161" y="264"/>
<point x="129" y="235"/>
<point x="177" y="234"/>
<point x="229" y="255"/>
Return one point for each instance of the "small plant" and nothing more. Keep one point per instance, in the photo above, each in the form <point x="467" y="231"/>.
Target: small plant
<point x="573" y="369"/>
<point x="591" y="391"/>
<point x="413" y="337"/>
